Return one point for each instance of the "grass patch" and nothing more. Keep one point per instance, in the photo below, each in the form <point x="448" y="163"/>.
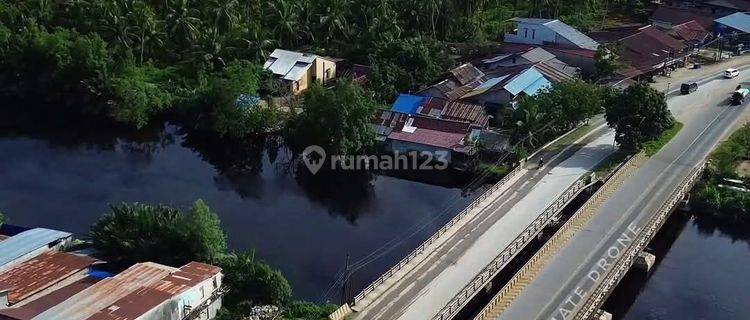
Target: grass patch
<point x="570" y="138"/>
<point x="610" y="163"/>
<point x="494" y="172"/>
<point x="652" y="147"/>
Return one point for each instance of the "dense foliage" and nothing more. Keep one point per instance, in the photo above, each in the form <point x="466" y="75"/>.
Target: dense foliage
<point x="253" y="282"/>
<point x="337" y="119"/>
<point x="556" y="109"/>
<point x="638" y="114"/>
<point x="715" y="199"/>
<point x="135" y="233"/>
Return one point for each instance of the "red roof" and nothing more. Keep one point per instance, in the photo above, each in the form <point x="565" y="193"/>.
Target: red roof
<point x="434" y="132"/>
<point x="37" y="306"/>
<point x="690" y="31"/>
<point x="41" y="272"/>
<point x="676" y="16"/>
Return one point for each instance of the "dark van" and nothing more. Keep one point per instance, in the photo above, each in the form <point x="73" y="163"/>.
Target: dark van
<point x="688" y="88"/>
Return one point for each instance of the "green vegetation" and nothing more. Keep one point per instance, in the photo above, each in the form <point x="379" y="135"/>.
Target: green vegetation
<point x="337" y="119"/>
<point x="133" y="233"/>
<point x="2" y="219"/>
<point x="718" y="200"/>
<point x="604" y="168"/>
<point x="494" y="172"/>
<point x="607" y="61"/>
<point x="638" y="114"/>
<point x="653" y="146"/>
<point x="555" y="110"/>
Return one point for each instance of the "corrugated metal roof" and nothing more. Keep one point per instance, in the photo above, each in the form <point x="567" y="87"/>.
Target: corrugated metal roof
<point x="99" y="296"/>
<point x="33" y="308"/>
<point x="739" y="21"/>
<point x="41" y="272"/>
<point x="289" y="65"/>
<point x="26" y="242"/>
<point x="538" y="55"/>
<point x="407" y="103"/>
<point x="576" y="37"/>
<point x="139" y="302"/>
<point x="486" y="86"/>
<point x="523" y="80"/>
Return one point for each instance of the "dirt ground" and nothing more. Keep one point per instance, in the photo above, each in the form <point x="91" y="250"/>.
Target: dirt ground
<point x="743" y="169"/>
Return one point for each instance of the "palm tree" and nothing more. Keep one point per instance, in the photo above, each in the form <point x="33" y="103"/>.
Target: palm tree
<point x="183" y="22"/>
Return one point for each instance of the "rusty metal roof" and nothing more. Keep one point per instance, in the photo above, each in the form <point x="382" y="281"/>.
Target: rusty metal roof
<point x="26" y="242"/>
<point x="41" y="272"/>
<point x="142" y="300"/>
<point x="31" y="309"/>
<point x="99" y="296"/>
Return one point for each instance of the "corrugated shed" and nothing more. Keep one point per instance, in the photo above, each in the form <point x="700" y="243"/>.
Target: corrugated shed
<point x="147" y="298"/>
<point x="289" y="65"/>
<point x="739" y="21"/>
<point x="99" y="296"/>
<point x="27" y="242"/>
<point x="464" y="111"/>
<point x="33" y="308"/>
<point x="571" y="34"/>
<point x="41" y="272"/>
<point x="466" y="73"/>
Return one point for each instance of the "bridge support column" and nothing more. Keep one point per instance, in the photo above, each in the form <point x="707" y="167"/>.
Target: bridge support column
<point x="603" y="315"/>
<point x="645" y="261"/>
<point x="685" y="203"/>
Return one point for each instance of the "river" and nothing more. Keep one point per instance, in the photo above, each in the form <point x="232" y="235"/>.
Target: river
<point x="63" y="173"/>
<point x="701" y="274"/>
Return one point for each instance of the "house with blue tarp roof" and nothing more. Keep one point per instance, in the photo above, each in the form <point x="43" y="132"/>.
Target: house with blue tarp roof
<point x="407" y="103"/>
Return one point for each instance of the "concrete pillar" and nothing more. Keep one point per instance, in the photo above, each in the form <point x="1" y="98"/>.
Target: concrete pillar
<point x="603" y="315"/>
<point x="645" y="261"/>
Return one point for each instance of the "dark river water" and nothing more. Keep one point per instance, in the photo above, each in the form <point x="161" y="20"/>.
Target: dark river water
<point x="59" y="175"/>
<point x="702" y="274"/>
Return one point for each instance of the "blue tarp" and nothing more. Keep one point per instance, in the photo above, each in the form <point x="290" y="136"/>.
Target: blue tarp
<point x="408" y="104"/>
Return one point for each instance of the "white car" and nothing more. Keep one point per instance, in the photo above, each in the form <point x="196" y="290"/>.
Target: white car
<point x="731" y="73"/>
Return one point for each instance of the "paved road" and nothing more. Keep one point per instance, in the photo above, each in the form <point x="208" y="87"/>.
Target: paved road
<point x="571" y="274"/>
<point x="428" y="287"/>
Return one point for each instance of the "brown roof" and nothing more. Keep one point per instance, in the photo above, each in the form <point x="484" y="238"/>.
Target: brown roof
<point x="741" y="5"/>
<point x="433" y="106"/>
<point x="41" y="272"/>
<point x="466" y="73"/>
<point x="689" y="31"/>
<point x="464" y="111"/>
<point x="37" y="306"/>
<point x="139" y="302"/>
<point x="647" y="49"/>
<point x="434" y="132"/>
<point x="675" y="16"/>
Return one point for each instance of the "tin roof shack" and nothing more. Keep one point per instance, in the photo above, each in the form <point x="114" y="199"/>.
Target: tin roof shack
<point x="194" y="289"/>
<point x="91" y="300"/>
<point x="505" y="90"/>
<point x="41" y="275"/>
<point x="298" y="70"/>
<point x="440" y="108"/>
<point x="29" y="244"/>
<point x="444" y="139"/>
<point x="462" y="80"/>
<point x="27" y="310"/>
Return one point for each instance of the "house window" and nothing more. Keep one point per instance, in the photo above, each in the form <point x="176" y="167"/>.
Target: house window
<point x="203" y="293"/>
<point x="327" y="75"/>
<point x="525" y="32"/>
<point x="296" y="86"/>
<point x="533" y="33"/>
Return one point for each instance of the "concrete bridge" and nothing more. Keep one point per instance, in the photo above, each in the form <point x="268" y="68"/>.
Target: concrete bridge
<point x="573" y="274"/>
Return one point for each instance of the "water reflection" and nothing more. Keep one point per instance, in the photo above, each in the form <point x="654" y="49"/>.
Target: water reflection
<point x="62" y="172"/>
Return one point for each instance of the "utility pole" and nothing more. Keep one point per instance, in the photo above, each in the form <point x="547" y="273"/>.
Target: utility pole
<point x="345" y="288"/>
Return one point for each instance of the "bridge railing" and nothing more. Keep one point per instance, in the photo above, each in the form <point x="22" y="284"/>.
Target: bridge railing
<point x="421" y="248"/>
<point x="505" y="295"/>
<point x="591" y="305"/>
<point x="528" y="234"/>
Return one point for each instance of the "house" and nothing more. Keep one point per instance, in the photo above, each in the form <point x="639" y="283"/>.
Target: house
<point x="42" y="274"/>
<point x="441" y="108"/>
<point x="297" y="71"/>
<point x="144" y="291"/>
<point x="691" y="33"/>
<point x="735" y="23"/>
<point x="715" y="8"/>
<point x="460" y="81"/>
<point x="30" y="243"/>
<point x="667" y="18"/>
<point x="574" y="62"/>
<point x="432" y="135"/>
<point x="506" y="89"/>
<point x="549" y="32"/>
<point x="647" y="50"/>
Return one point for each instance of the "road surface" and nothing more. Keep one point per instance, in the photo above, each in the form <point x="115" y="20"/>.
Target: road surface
<point x="570" y="275"/>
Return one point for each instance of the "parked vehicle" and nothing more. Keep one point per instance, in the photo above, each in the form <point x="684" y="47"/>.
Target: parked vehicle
<point x="738" y="97"/>
<point x="731" y="73"/>
<point x="688" y="88"/>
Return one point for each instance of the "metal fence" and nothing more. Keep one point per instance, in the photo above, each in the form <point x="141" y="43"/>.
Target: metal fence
<point x="506" y="295"/>
<point x="421" y="248"/>
<point x="528" y="234"/>
<point x="623" y="264"/>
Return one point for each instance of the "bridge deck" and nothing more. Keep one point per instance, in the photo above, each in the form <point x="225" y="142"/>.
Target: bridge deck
<point x="573" y="272"/>
<point x="429" y="286"/>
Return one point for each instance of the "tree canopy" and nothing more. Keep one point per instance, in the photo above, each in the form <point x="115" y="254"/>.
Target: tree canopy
<point x="133" y="233"/>
<point x="638" y="114"/>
